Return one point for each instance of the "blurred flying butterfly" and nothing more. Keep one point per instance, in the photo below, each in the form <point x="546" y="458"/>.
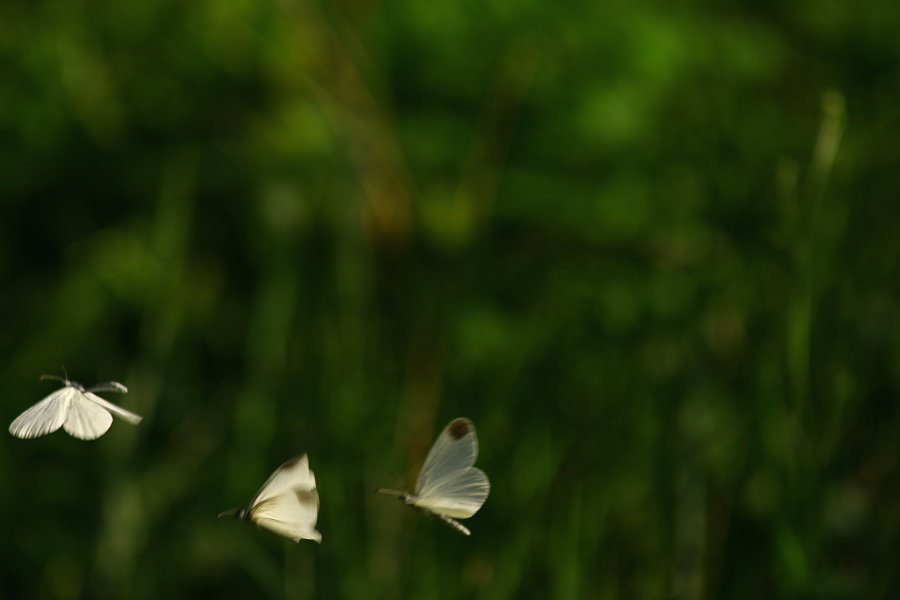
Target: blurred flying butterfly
<point x="287" y="503"/>
<point x="449" y="486"/>
<point x="78" y="410"/>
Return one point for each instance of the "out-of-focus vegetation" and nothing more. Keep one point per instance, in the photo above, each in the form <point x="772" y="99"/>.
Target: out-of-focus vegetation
<point x="650" y="249"/>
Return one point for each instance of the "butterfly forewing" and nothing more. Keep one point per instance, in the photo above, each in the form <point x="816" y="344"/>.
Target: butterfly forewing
<point x="293" y="474"/>
<point x="45" y="417"/>
<point x="455" y="450"/>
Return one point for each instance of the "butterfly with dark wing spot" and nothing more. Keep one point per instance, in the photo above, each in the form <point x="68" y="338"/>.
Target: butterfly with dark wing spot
<point x="449" y="486"/>
<point x="287" y="503"/>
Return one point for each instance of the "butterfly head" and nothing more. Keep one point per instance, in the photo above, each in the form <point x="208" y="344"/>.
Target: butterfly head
<point x="63" y="380"/>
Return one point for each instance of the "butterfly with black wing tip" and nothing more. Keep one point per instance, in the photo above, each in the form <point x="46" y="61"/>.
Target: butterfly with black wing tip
<point x="287" y="503"/>
<point x="449" y="486"/>
<point x="78" y="410"/>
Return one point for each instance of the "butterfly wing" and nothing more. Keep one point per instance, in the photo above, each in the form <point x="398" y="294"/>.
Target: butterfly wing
<point x="293" y="474"/>
<point x="108" y="386"/>
<point x="86" y="420"/>
<point x="45" y="417"/>
<point x="459" y="495"/>
<point x="288" y="502"/>
<point x="292" y="513"/>
<point x="109" y="406"/>
<point x="449" y="484"/>
<point x="454" y="450"/>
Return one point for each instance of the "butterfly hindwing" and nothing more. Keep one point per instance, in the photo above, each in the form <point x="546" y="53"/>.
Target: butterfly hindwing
<point x="460" y="496"/>
<point x="86" y="420"/>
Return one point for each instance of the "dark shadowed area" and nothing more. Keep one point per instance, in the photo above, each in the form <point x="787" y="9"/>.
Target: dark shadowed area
<point x="651" y="250"/>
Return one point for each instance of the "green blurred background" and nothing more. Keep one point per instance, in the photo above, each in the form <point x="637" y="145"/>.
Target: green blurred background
<point x="650" y="249"/>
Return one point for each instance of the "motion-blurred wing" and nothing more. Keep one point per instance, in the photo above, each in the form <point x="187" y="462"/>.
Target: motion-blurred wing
<point x="460" y="494"/>
<point x="108" y="386"/>
<point x="292" y="514"/>
<point x="292" y="475"/>
<point x="85" y="419"/>
<point x="45" y="417"/>
<point x="116" y="410"/>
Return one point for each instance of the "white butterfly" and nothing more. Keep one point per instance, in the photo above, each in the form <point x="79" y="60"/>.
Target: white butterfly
<point x="78" y="410"/>
<point x="287" y="503"/>
<point x="449" y="486"/>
